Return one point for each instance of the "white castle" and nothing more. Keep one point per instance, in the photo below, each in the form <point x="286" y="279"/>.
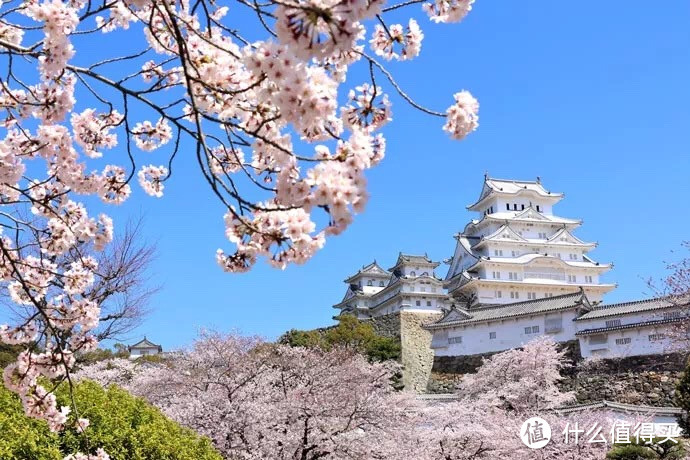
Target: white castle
<point x="518" y="271"/>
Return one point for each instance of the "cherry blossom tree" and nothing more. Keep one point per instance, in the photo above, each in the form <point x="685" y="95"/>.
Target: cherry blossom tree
<point x="251" y="93"/>
<point x="675" y="288"/>
<point x="257" y="401"/>
<point x="522" y="380"/>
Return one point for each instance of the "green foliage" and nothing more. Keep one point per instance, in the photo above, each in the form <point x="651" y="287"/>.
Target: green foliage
<point x="641" y="451"/>
<point x="127" y="428"/>
<point x="683" y="399"/>
<point x="9" y="353"/>
<point x="159" y="358"/>
<point x="22" y="437"/>
<point x="630" y="452"/>
<point x="349" y="333"/>
<point x="101" y="354"/>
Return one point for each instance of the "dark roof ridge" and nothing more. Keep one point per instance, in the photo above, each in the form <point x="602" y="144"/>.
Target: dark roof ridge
<point x="631" y="302"/>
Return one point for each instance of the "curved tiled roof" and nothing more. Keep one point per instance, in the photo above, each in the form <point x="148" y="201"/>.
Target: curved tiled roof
<point x="373" y="269"/>
<point x="657" y="303"/>
<point x="512" y="187"/>
<point x="599" y="330"/>
<point x="636" y="408"/>
<point x="458" y="317"/>
<point x="145" y="343"/>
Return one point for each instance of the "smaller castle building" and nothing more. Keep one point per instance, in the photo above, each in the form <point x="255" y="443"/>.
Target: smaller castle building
<point x="409" y="285"/>
<point x="144" y="347"/>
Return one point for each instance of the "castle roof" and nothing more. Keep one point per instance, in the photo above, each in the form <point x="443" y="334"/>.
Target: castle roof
<point x="620" y="407"/>
<point x="655" y="322"/>
<point x="528" y="215"/>
<point x="616" y="309"/>
<point x="145" y="343"/>
<point x="373" y="269"/>
<point x="413" y="259"/>
<point x="459" y="317"/>
<point x="493" y="185"/>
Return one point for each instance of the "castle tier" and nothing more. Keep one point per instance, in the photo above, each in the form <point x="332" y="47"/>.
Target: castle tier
<point x="518" y="249"/>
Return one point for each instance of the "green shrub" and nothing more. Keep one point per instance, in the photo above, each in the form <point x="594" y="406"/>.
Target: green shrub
<point x="641" y="451"/>
<point x="22" y="437"/>
<point x="127" y="428"/>
<point x="349" y="333"/>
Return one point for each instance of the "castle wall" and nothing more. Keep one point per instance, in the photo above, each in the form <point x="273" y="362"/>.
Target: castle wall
<point x="648" y="380"/>
<point x="417" y="354"/>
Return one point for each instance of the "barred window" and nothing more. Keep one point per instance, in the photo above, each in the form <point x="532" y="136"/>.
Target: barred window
<point x="671" y="314"/>
<point x="624" y="341"/>
<point x="613" y="323"/>
<point x="457" y="339"/>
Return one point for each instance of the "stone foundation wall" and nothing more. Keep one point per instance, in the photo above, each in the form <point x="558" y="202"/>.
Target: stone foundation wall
<point x="648" y="380"/>
<point x="417" y="354"/>
<point x="387" y="325"/>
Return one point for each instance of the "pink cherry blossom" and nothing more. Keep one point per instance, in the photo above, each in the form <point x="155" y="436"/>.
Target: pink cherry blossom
<point x="462" y="116"/>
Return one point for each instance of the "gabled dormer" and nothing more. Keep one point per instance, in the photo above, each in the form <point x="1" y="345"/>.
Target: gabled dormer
<point x="565" y="237"/>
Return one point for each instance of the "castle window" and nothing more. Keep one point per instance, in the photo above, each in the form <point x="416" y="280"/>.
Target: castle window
<point x="613" y="323"/>
<point x="532" y="330"/>
<point x="656" y="337"/>
<point x="624" y="341"/>
<point x="523" y="207"/>
<point x="492" y="335"/>
<point x="671" y="314"/>
<point x="498" y="252"/>
<point x="507" y="206"/>
<point x="588" y="278"/>
<point x="516" y="253"/>
<point x="514" y="295"/>
<point x="598" y="339"/>
<point x="418" y="303"/>
<point x="425" y="274"/>
<point x="381" y="283"/>
<point x="498" y="294"/>
<point x="553" y="325"/>
<point x="370" y="283"/>
<point x="542" y="235"/>
<point x="514" y="206"/>
<point x="413" y="273"/>
<point x="531" y="295"/>
<point x="538" y="209"/>
<point x="457" y="339"/>
<point x="428" y="303"/>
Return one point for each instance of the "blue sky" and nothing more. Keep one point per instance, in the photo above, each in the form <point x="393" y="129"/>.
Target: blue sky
<point x="593" y="97"/>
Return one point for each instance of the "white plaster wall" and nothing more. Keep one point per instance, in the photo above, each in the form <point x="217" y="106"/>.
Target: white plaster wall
<point x="510" y="333"/>
<point x="639" y="343"/>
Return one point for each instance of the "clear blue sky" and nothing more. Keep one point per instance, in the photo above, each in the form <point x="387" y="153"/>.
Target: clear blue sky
<point x="591" y="96"/>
